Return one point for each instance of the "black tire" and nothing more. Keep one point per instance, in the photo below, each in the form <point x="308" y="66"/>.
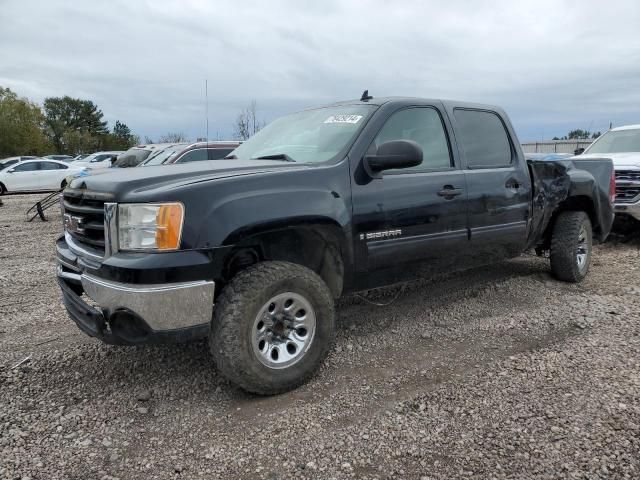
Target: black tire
<point x="3" y="189"/>
<point x="571" y="237"/>
<point x="63" y="185"/>
<point x="232" y="330"/>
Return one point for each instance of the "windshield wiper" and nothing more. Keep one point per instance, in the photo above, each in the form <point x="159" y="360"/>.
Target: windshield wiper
<point x="275" y="156"/>
<point x="230" y="157"/>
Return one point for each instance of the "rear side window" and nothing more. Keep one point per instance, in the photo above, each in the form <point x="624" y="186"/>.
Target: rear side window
<point x="52" y="166"/>
<point x="194" y="156"/>
<point x="483" y="138"/>
<point x="219" y="153"/>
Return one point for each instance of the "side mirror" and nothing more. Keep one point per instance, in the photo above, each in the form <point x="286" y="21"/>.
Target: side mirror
<point x="394" y="154"/>
<point x="578" y="151"/>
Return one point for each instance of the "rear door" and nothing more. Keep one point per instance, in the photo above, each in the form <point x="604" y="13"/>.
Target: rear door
<point x="498" y="184"/>
<point x="51" y="175"/>
<point x="415" y="215"/>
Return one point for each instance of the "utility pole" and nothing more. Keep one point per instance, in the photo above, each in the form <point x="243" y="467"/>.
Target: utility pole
<point x="206" y="105"/>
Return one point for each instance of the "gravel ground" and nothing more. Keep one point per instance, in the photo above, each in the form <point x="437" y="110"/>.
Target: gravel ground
<point x="500" y="372"/>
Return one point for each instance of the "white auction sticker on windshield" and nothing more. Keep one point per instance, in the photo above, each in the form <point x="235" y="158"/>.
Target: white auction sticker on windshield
<point x="343" y="119"/>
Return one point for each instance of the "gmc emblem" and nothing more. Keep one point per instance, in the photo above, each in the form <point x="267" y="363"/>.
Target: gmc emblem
<point x="73" y="224"/>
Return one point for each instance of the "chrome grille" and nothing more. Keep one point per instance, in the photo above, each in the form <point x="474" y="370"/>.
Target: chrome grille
<point x="627" y="186"/>
<point x="84" y="219"/>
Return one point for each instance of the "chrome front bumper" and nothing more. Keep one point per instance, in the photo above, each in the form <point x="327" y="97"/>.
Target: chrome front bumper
<point x="632" y="209"/>
<point x="165" y="306"/>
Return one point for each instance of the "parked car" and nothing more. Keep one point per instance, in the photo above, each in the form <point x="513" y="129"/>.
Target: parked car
<point x="62" y="158"/>
<point x="138" y="154"/>
<point x="622" y="145"/>
<point x="35" y="175"/>
<point x="160" y="155"/>
<point x="194" y="152"/>
<point x="547" y="156"/>
<point x="80" y="157"/>
<point x="5" y="162"/>
<point x="99" y="159"/>
<point x="252" y="252"/>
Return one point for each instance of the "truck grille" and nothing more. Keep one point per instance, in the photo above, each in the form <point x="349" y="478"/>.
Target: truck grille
<point x="84" y="219"/>
<point x="627" y="185"/>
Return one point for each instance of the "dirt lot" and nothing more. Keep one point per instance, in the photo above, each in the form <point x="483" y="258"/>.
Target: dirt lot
<point x="500" y="372"/>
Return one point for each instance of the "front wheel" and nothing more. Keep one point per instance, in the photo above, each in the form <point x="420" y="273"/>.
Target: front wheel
<point x="272" y="327"/>
<point x="571" y="243"/>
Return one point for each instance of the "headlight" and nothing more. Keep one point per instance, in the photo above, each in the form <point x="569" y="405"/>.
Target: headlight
<point x="146" y="226"/>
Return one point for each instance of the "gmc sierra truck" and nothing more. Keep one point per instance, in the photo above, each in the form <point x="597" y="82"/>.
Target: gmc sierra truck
<point x="251" y="252"/>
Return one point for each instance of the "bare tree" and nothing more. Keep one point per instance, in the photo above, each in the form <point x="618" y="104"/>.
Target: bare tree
<point x="247" y="122"/>
<point x="172" y="137"/>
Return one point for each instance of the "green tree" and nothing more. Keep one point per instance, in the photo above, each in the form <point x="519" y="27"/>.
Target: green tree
<point x="66" y="114"/>
<point x="21" y="126"/>
<point x="578" y="134"/>
<point x="120" y="138"/>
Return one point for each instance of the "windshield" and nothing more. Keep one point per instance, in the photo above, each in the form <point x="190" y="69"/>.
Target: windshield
<point x="617" y="141"/>
<point x="160" y="157"/>
<point x="132" y="157"/>
<point x="309" y="136"/>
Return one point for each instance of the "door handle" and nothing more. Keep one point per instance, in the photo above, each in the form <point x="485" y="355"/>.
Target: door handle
<point x="448" y="192"/>
<point x="513" y="184"/>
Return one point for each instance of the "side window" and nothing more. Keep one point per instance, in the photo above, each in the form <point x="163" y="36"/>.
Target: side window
<point x="52" y="166"/>
<point x="219" y="153"/>
<point x="483" y="138"/>
<point x="194" y="156"/>
<point x="28" y="167"/>
<point x="424" y="126"/>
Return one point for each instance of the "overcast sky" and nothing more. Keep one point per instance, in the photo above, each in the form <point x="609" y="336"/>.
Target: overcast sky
<point x="553" y="65"/>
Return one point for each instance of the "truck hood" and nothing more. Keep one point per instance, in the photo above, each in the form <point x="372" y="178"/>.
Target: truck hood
<point x="620" y="160"/>
<point x="119" y="181"/>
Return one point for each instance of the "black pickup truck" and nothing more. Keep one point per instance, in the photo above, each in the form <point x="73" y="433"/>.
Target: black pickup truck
<point x="252" y="251"/>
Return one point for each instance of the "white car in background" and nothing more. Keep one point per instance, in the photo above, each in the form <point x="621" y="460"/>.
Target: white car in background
<point x="622" y="145"/>
<point x="35" y="175"/>
<point x="98" y="160"/>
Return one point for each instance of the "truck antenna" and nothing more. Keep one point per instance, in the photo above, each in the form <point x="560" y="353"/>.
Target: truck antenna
<point x="365" y="96"/>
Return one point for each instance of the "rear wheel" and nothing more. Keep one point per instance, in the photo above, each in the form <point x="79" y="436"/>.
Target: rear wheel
<point x="571" y="244"/>
<point x="272" y="327"/>
<point x="63" y="185"/>
<point x="3" y="189"/>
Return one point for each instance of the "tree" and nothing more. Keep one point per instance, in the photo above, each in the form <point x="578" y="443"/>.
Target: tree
<point x="578" y="134"/>
<point x="21" y="126"/>
<point x="121" y="137"/>
<point x="247" y="122"/>
<point x="66" y="114"/>
<point x="172" y="137"/>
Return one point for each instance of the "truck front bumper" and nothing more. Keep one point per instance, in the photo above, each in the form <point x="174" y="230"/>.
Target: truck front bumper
<point x="125" y="313"/>
<point x="631" y="209"/>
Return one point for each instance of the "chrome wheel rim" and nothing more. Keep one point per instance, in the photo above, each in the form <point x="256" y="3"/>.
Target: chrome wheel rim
<point x="582" y="251"/>
<point x="283" y="330"/>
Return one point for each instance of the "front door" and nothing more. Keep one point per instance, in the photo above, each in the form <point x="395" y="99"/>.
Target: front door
<point x="23" y="177"/>
<point x="413" y="218"/>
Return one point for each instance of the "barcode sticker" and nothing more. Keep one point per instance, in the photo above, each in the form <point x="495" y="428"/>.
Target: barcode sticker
<point x="343" y="119"/>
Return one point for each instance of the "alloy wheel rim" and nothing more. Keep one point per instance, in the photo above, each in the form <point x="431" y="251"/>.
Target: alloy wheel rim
<point x="582" y="251"/>
<point x="283" y="330"/>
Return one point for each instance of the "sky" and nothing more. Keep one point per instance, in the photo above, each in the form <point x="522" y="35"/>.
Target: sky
<point x="552" y="65"/>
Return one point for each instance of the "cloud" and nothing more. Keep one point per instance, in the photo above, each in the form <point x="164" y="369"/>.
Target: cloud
<point x="553" y="65"/>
